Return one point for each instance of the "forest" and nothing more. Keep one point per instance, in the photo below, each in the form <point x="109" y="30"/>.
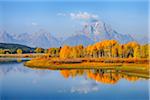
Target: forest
<point x="106" y="48"/>
<point x="107" y="53"/>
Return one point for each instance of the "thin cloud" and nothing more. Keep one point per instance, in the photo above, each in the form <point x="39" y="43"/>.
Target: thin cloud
<point x="79" y="15"/>
<point x="61" y="14"/>
<point x="83" y="15"/>
<point x="34" y="24"/>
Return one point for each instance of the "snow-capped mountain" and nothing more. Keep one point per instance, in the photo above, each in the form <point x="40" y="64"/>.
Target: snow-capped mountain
<point x="38" y="39"/>
<point x="6" y="37"/>
<point x="92" y="32"/>
<point x="98" y="31"/>
<point x="95" y="31"/>
<point x="44" y="39"/>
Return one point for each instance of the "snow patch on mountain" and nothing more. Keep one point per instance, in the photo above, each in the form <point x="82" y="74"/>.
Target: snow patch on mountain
<point x="98" y="31"/>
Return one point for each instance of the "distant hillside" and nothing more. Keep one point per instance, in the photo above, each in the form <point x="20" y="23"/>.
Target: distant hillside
<point x="14" y="47"/>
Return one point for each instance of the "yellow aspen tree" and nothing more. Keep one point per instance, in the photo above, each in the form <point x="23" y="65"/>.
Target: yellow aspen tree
<point x="19" y="51"/>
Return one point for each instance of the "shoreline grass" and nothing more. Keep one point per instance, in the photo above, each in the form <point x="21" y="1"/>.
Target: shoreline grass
<point x="85" y="63"/>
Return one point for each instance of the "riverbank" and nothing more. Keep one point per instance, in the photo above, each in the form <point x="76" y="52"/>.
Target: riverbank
<point x="89" y="63"/>
<point x="27" y="55"/>
<point x="138" y="67"/>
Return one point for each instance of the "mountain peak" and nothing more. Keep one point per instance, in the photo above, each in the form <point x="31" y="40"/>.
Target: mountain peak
<point x="99" y="30"/>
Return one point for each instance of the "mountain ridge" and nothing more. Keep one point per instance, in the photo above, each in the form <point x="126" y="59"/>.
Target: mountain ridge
<point x="92" y="32"/>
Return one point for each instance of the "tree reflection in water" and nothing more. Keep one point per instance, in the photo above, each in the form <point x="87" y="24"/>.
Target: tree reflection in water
<point x="100" y="75"/>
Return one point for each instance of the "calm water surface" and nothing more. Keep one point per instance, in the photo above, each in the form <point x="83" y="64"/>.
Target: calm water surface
<point x="18" y="82"/>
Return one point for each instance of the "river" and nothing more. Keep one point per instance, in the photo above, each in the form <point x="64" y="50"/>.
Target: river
<point x="18" y="82"/>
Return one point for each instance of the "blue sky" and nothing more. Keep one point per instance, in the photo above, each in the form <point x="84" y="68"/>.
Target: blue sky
<point x="62" y="18"/>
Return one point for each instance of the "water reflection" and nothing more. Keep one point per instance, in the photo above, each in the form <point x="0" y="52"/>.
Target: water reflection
<point x="105" y="76"/>
<point x="101" y="75"/>
<point x="8" y="65"/>
<point x="32" y="84"/>
<point x="13" y="60"/>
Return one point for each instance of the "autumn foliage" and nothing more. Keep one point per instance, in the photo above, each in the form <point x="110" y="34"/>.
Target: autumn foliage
<point x="99" y="75"/>
<point x="107" y="49"/>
